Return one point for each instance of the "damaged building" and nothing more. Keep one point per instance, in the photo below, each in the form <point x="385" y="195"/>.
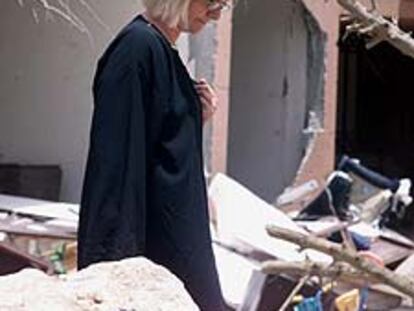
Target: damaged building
<point x="296" y="92"/>
<point x="266" y="59"/>
<point x="275" y="65"/>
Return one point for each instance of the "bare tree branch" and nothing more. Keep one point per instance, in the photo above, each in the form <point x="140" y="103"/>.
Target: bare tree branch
<point x="62" y="9"/>
<point x="65" y="16"/>
<point x="338" y="271"/>
<point x="294" y="292"/>
<point x="378" y="27"/>
<point x="35" y="16"/>
<point x="81" y="25"/>
<point x="339" y="253"/>
<point x="94" y="15"/>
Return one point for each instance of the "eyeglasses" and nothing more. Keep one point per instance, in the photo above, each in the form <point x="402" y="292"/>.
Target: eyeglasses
<point x="214" y="5"/>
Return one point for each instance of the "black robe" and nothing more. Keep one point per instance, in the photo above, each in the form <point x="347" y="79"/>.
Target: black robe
<point x="144" y="191"/>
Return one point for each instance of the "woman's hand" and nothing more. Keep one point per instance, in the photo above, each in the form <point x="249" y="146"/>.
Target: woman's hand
<point x="208" y="99"/>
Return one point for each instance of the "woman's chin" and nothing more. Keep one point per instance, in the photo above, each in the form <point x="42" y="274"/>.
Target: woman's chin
<point x="196" y="27"/>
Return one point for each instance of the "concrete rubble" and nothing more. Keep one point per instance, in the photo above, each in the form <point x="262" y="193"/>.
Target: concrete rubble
<point x="131" y="284"/>
<point x="356" y="207"/>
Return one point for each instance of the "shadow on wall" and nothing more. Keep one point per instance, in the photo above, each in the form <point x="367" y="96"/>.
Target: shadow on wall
<point x="46" y="69"/>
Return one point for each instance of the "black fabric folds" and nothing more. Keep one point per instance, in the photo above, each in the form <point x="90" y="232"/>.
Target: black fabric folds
<point x="144" y="191"/>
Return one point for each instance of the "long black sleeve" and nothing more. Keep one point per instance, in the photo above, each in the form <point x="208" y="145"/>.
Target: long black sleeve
<point x="115" y="183"/>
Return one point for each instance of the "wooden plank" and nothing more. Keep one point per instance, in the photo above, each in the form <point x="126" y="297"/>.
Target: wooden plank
<point x="7" y="227"/>
<point x="406" y="267"/>
<point x="12" y="260"/>
<point x="390" y="253"/>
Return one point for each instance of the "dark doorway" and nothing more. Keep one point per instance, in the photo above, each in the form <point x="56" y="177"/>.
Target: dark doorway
<point x="375" y="120"/>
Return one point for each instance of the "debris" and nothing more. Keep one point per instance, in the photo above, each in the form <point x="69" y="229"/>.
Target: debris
<point x="378" y="27"/>
<point x="131" y="284"/>
<point x="292" y="194"/>
<point x="383" y="275"/>
<point x="338" y="271"/>
<point x="252" y="265"/>
<point x="13" y="260"/>
<point x="348" y="301"/>
<point x="286" y="264"/>
<point x="230" y="199"/>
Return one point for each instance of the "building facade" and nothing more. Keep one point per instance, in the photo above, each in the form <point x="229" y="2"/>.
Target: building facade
<point x="273" y="63"/>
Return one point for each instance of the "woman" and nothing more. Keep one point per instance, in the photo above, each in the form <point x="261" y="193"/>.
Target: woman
<point x="144" y="191"/>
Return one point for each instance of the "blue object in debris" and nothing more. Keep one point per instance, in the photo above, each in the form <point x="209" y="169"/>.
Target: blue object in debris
<point x="364" y="299"/>
<point x="311" y="303"/>
<point x="361" y="242"/>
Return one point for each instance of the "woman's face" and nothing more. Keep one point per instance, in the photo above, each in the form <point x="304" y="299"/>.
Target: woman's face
<point x="201" y="12"/>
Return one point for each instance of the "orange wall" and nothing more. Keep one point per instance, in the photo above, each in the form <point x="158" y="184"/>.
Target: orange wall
<point x="222" y="83"/>
<point x="385" y="7"/>
<point x="321" y="160"/>
<point x="407" y="14"/>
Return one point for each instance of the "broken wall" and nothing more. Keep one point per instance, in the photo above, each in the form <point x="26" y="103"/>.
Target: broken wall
<point x="320" y="157"/>
<point x="276" y="79"/>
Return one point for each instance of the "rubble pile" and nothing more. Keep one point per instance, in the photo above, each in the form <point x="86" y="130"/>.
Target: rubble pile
<point x="338" y="249"/>
<point x="131" y="284"/>
<point x="335" y="245"/>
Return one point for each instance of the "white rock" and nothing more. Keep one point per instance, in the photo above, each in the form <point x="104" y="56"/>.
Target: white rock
<point x="132" y="284"/>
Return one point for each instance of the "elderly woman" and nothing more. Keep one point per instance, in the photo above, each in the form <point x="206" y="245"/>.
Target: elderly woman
<point x="144" y="191"/>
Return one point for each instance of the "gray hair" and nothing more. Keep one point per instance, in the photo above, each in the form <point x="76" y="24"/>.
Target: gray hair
<point x="171" y="12"/>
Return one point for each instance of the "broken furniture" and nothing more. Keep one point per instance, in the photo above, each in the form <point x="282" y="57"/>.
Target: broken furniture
<point x="35" y="228"/>
<point x="12" y="260"/>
